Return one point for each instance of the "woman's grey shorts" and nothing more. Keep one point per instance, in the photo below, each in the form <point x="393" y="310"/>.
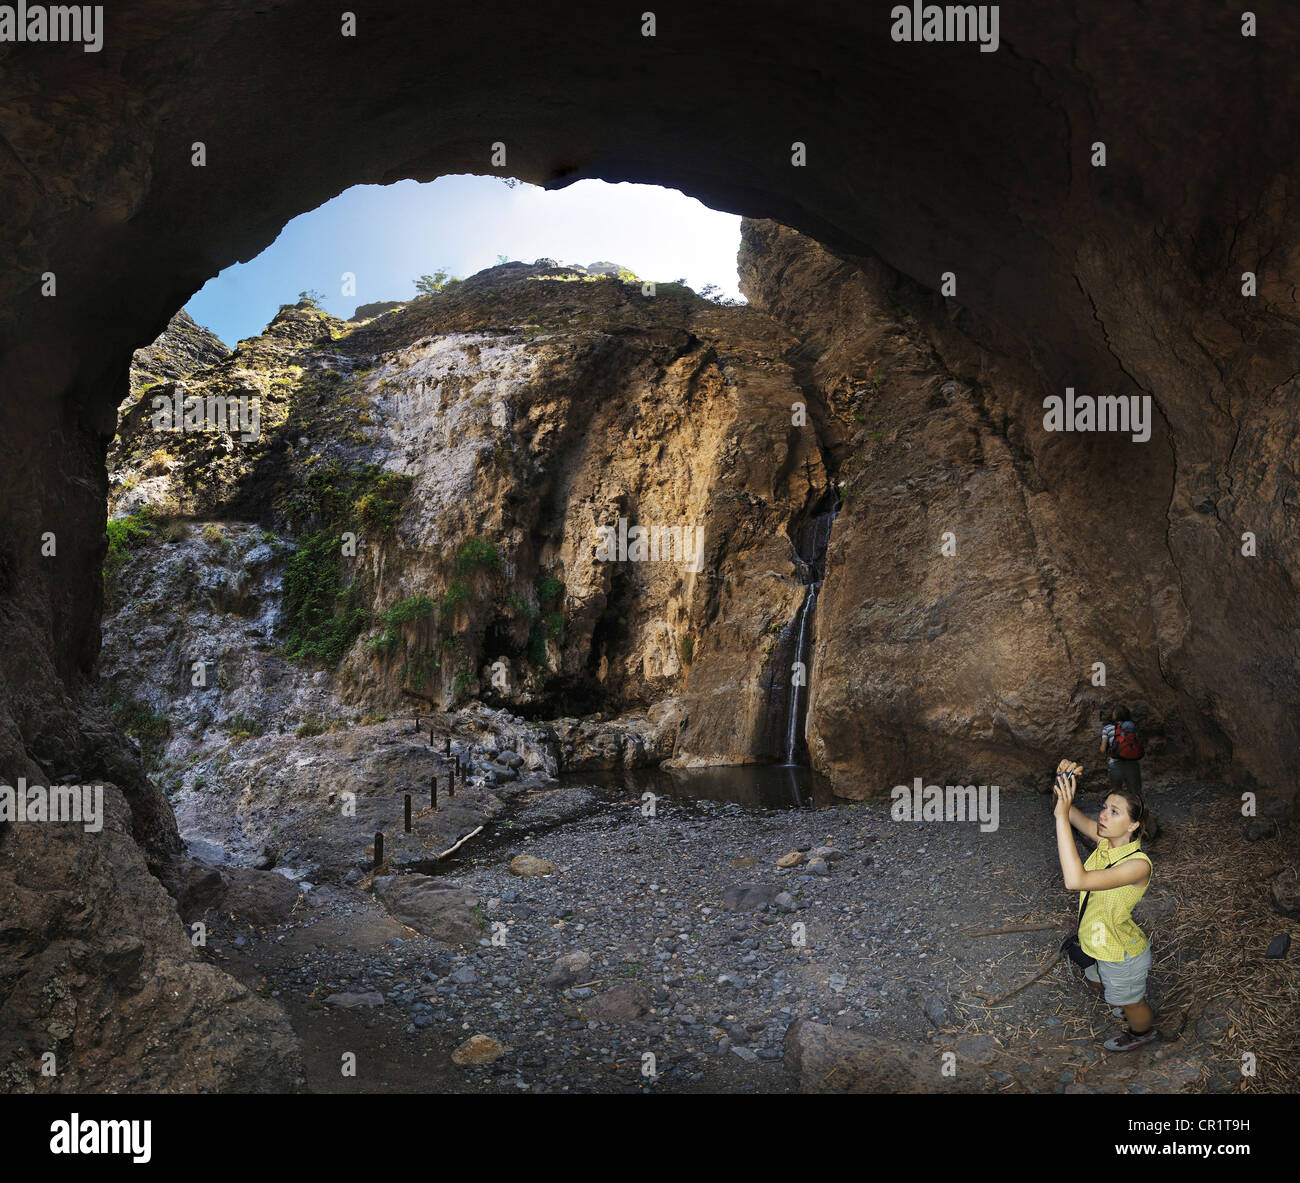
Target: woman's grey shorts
<point x="1125" y="981"/>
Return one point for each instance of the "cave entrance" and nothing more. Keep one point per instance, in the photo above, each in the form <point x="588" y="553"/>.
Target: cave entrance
<point x="390" y="616"/>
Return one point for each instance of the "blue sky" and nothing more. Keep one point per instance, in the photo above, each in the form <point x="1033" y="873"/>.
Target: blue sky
<point x="389" y="235"/>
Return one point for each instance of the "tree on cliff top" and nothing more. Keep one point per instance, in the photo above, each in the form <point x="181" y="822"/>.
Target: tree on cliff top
<point x="428" y="285"/>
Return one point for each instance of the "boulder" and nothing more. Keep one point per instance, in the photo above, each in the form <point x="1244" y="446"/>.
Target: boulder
<point x="263" y="898"/>
<point x="569" y="968"/>
<point x="832" y="1060"/>
<point x="477" y="1049"/>
<point x="749" y="897"/>
<point x="436" y="907"/>
<point x="622" y="1004"/>
<point x="1285" y="892"/>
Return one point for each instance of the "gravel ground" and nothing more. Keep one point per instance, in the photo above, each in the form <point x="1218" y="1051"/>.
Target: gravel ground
<point x="872" y="943"/>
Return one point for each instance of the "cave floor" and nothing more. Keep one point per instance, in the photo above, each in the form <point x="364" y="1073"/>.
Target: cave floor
<point x="885" y="954"/>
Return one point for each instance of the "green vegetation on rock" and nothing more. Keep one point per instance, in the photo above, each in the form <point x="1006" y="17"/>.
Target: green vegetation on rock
<point x="324" y="614"/>
<point x="476" y="554"/>
<point x="124" y="535"/>
<point x="323" y="617"/>
<point x="456" y="594"/>
<point x="404" y="612"/>
<point x="149" y="728"/>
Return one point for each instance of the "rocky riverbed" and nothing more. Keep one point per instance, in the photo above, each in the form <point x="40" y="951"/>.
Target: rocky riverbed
<point x="589" y="947"/>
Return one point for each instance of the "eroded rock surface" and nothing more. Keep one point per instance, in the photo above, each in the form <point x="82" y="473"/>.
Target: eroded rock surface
<point x="1125" y="279"/>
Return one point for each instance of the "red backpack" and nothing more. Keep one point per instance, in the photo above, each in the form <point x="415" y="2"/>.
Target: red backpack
<point x="1126" y="745"/>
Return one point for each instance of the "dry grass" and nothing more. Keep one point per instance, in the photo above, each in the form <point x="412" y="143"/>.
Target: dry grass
<point x="1212" y="949"/>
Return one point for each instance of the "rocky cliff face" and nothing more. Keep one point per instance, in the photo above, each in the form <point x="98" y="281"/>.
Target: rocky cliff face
<point x="1122" y="279"/>
<point x="503" y="425"/>
<point x="1069" y="552"/>
<point x="969" y="602"/>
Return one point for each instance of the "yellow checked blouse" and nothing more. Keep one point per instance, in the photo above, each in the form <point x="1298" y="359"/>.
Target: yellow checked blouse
<point x="1106" y="930"/>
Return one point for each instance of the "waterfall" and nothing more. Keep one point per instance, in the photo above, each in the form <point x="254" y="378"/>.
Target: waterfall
<point x="800" y="653"/>
<point x="810" y="545"/>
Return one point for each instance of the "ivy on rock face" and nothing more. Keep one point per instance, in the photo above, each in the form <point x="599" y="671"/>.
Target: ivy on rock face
<point x="476" y="554"/>
<point x="322" y="616"/>
<point x="324" y="612"/>
<point x="405" y="612"/>
<point x="362" y="497"/>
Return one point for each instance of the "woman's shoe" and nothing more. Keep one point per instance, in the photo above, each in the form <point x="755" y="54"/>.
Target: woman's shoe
<point x="1128" y="1039"/>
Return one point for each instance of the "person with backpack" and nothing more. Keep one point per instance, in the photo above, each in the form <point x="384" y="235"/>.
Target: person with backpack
<point x="1120" y="741"/>
<point x="1110" y="947"/>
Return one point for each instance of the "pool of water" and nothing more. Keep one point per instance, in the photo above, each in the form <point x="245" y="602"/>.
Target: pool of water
<point x="754" y="786"/>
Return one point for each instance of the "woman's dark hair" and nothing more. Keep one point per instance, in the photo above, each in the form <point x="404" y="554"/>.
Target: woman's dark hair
<point x="1137" y="808"/>
<point x="1121" y="715"/>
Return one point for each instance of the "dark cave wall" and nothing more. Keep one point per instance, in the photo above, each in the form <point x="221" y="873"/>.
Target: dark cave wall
<point x="932" y="158"/>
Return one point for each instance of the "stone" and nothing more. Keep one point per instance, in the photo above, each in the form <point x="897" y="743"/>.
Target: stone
<point x="827" y="1059"/>
<point x="978" y="1049"/>
<point x="568" y="968"/>
<point x="437" y="908"/>
<point x="749" y="897"/>
<point x="527" y="866"/>
<point x="622" y="1004"/>
<point x="1285" y="892"/>
<point x="477" y="1049"/>
<point x="349" y="1001"/>
<point x="1258" y="828"/>
<point x="827" y="853"/>
<point x="1278" y="808"/>
<point x="793" y="859"/>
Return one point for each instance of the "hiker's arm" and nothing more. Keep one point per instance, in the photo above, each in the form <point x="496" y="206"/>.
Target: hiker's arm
<point x="1071" y="865"/>
<point x="1131" y="870"/>
<point x="1103" y="743"/>
<point x="1084" y="824"/>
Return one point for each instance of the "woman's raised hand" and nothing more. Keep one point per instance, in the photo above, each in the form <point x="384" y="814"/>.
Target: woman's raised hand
<point x="1067" y="774"/>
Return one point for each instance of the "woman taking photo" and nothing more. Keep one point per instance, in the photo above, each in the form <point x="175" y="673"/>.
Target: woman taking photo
<point x="1113" y="879"/>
